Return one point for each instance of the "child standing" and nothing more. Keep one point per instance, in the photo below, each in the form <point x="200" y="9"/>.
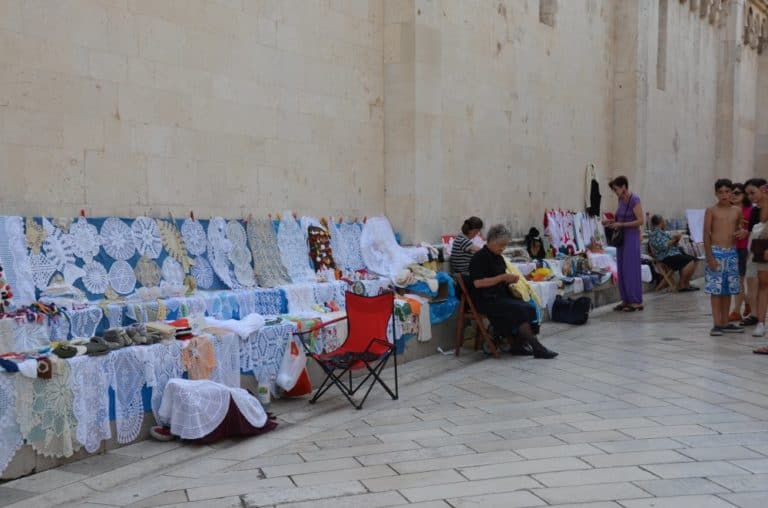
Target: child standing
<point x="722" y="227"/>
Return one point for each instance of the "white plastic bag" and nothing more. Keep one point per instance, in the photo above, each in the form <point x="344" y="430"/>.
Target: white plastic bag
<point x="294" y="361"/>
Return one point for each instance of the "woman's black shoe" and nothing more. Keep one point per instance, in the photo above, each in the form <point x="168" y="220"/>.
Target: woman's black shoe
<point x="544" y="353"/>
<point x="521" y="350"/>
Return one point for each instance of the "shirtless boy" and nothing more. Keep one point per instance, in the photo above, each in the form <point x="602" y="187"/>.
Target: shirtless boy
<point x="722" y="227"/>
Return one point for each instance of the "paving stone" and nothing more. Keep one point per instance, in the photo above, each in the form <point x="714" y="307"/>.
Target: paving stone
<point x="680" y="487"/>
<point x="10" y="495"/>
<point x="695" y="469"/>
<point x="418" y="466"/>
<point x="613" y="424"/>
<point x="502" y="500"/>
<point x="758" y="466"/>
<point x="413" y="480"/>
<point x="668" y="431"/>
<point x="639" y="445"/>
<point x="742" y="483"/>
<point x="747" y="499"/>
<point x="272" y="460"/>
<point x="678" y="502"/>
<point x="467" y="489"/>
<point x="270" y="496"/>
<point x="356" y="451"/>
<point x="516" y="444"/>
<point x="721" y="453"/>
<point x="590" y="493"/>
<point x="636" y="458"/>
<point x="592" y="476"/>
<point x="340" y="475"/>
<point x="592" y="437"/>
<point x="525" y="467"/>
<point x="165" y="498"/>
<point x="375" y="500"/>
<point x="45" y="481"/>
<point x="309" y="467"/>
<point x="98" y="464"/>
<point x="545" y="452"/>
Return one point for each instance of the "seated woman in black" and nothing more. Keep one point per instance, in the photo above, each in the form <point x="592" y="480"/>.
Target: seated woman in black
<point x="508" y="315"/>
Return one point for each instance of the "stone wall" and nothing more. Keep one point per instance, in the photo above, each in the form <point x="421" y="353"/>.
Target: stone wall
<point x="426" y="110"/>
<point x="222" y="106"/>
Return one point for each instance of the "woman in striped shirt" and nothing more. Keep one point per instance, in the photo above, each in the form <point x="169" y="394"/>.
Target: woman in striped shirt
<point x="463" y="248"/>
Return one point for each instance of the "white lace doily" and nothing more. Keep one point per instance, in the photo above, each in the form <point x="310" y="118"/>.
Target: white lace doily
<point x="117" y="239"/>
<point x="146" y="237"/>
<point x="85" y="239"/>
<point x="42" y="270"/>
<point x="294" y="250"/>
<point x="173" y="272"/>
<point x="194" y="237"/>
<point x="218" y="250"/>
<point x="121" y="277"/>
<point x="84" y="322"/>
<point x="10" y="436"/>
<point x="95" y="279"/>
<point x="203" y="273"/>
<point x="44" y="413"/>
<point x="91" y="376"/>
<point x="240" y="255"/>
<point x="147" y="272"/>
<point x="58" y="248"/>
<point x="71" y="273"/>
<point x="129" y="377"/>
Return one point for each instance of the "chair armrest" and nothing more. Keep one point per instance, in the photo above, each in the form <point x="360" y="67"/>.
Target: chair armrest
<point x="321" y="325"/>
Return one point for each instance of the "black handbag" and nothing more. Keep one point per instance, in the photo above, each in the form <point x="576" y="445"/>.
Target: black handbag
<point x="615" y="237"/>
<point x="573" y="312"/>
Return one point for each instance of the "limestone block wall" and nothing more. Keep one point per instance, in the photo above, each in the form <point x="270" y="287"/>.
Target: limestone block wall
<point x="222" y="106"/>
<point x="682" y="111"/>
<point x="508" y="109"/>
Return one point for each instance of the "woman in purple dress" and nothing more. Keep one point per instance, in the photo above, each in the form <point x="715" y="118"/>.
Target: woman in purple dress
<point x="629" y="218"/>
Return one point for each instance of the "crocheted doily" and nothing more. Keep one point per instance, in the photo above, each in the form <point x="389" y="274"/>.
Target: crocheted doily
<point x="91" y="377"/>
<point x="95" y="279"/>
<point x="219" y="248"/>
<point x="203" y="273"/>
<point x="294" y="250"/>
<point x="146" y="237"/>
<point x="173" y="272"/>
<point x="268" y="268"/>
<point x="85" y="238"/>
<point x="58" y="247"/>
<point x="117" y="239"/>
<point x="129" y="377"/>
<point x="147" y="272"/>
<point x="121" y="277"/>
<point x="194" y="237"/>
<point x="42" y="270"/>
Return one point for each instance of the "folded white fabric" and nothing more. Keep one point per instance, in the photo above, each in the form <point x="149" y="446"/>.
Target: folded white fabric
<point x="193" y="409"/>
<point x="244" y="327"/>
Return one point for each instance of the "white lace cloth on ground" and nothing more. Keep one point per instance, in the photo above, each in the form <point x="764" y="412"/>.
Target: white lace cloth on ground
<point x="227" y="371"/>
<point x="13" y="258"/>
<point x="294" y="250"/>
<point x="267" y="266"/>
<point x="10" y="435"/>
<point x="128" y="379"/>
<point x="194" y="409"/>
<point x="91" y="378"/>
<point x="44" y="413"/>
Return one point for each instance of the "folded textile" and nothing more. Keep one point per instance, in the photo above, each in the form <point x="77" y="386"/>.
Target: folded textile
<point x="244" y="327"/>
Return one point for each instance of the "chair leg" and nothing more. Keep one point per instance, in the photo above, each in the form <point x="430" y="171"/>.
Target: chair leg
<point x="460" y="325"/>
<point x="488" y="340"/>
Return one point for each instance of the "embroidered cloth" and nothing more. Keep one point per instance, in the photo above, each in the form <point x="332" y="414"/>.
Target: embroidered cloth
<point x="199" y="358"/>
<point x="294" y="251"/>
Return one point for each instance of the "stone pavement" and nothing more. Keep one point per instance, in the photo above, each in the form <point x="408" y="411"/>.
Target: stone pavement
<point x="640" y="410"/>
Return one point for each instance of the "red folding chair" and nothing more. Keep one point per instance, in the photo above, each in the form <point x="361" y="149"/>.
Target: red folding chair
<point x="366" y="347"/>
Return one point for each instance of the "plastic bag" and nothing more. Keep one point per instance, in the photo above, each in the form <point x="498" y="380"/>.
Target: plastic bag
<point x="294" y="361"/>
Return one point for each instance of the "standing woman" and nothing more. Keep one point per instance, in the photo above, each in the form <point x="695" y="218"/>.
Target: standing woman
<point x="629" y="218"/>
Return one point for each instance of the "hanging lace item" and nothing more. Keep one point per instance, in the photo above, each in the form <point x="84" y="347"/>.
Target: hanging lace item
<point x="246" y="302"/>
<point x="128" y="379"/>
<point x="380" y="250"/>
<point x="194" y="237"/>
<point x="58" y="328"/>
<point x="300" y="298"/>
<point x="13" y="257"/>
<point x="91" y="377"/>
<point x="117" y="239"/>
<point x="95" y="280"/>
<point x="58" y="247"/>
<point x="294" y="250"/>
<point x="263" y="351"/>
<point x="350" y="238"/>
<point x="267" y="266"/>
<point x="85" y="321"/>
<point x="71" y="273"/>
<point x="121" y="277"/>
<point x="269" y="302"/>
<point x="166" y="365"/>
<point x="173" y="272"/>
<point x="146" y="237"/>
<point x="114" y="313"/>
<point x="85" y="239"/>
<point x="44" y="412"/>
<point x="203" y="273"/>
<point x="239" y="254"/>
<point x="337" y="245"/>
<point x="31" y="336"/>
<point x="174" y="244"/>
<point x="199" y="358"/>
<point x="42" y="270"/>
<point x="10" y="435"/>
<point x="227" y="371"/>
<point x="147" y="272"/>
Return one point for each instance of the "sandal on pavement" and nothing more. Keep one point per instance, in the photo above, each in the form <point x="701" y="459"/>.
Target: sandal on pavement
<point x="761" y="350"/>
<point x="630" y="308"/>
<point x="620" y="307"/>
